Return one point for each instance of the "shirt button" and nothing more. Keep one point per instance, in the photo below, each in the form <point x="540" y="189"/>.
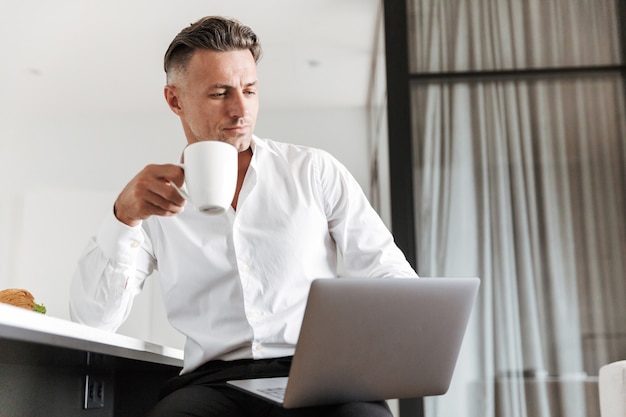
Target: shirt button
<point x="257" y="346"/>
<point x="245" y="268"/>
<point x="134" y="244"/>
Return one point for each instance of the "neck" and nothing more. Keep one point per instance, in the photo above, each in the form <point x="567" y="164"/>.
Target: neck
<point x="244" y="158"/>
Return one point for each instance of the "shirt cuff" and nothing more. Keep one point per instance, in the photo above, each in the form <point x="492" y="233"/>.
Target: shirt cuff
<point x="119" y="241"/>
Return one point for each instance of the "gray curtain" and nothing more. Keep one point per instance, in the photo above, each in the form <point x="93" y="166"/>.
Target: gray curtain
<point x="522" y="181"/>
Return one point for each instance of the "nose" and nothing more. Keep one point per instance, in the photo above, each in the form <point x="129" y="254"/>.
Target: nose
<point x="238" y="107"/>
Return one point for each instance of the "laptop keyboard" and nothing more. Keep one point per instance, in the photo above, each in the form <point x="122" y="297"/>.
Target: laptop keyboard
<point x="275" y="392"/>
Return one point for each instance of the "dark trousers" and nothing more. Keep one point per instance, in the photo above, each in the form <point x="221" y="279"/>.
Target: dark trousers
<point x="204" y="393"/>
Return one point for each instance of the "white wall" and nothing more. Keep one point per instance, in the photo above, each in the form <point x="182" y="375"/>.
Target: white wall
<point x="60" y="174"/>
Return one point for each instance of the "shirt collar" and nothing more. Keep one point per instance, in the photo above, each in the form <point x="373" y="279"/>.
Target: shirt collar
<point x="259" y="144"/>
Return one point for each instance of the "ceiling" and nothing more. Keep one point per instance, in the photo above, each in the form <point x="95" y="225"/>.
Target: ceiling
<point x="105" y="56"/>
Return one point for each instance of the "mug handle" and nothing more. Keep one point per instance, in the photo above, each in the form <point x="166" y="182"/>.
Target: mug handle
<point x="180" y="190"/>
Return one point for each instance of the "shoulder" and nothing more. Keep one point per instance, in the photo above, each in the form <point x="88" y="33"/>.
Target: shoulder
<point x="271" y="145"/>
<point x="294" y="153"/>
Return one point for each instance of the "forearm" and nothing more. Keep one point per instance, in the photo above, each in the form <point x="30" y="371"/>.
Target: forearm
<point x="109" y="274"/>
<point x="368" y="250"/>
<point x="99" y="295"/>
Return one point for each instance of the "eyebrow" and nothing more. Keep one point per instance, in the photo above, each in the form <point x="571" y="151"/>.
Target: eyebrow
<point x="227" y="86"/>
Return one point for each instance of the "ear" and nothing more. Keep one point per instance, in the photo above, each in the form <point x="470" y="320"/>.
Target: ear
<point x="172" y="98"/>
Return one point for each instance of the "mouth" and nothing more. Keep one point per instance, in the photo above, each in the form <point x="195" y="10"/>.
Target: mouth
<point x="237" y="130"/>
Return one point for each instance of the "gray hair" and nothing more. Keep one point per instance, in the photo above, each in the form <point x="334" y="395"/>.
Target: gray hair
<point x="214" y="33"/>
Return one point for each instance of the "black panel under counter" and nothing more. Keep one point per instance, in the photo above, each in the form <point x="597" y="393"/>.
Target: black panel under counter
<point x="50" y="367"/>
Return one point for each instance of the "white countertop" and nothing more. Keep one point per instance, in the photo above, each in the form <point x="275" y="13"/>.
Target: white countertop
<point x="29" y="326"/>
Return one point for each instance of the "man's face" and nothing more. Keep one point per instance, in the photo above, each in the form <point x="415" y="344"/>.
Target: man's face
<point x="216" y="97"/>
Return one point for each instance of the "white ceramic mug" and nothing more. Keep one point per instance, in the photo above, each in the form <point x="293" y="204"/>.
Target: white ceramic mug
<point x="210" y="175"/>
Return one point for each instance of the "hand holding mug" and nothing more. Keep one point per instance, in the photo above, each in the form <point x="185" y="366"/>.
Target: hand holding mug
<point x="150" y="193"/>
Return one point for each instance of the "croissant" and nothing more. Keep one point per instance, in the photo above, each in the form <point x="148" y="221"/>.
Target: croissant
<point x="21" y="298"/>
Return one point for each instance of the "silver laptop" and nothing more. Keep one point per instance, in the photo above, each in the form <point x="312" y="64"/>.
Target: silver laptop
<point x="373" y="339"/>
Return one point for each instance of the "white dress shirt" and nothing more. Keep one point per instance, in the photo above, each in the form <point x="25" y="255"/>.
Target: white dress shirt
<point x="235" y="284"/>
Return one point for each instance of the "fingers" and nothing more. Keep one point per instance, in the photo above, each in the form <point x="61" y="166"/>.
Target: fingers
<point x="150" y="193"/>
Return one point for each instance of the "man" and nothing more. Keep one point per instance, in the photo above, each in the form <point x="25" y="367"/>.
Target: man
<point x="234" y="284"/>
